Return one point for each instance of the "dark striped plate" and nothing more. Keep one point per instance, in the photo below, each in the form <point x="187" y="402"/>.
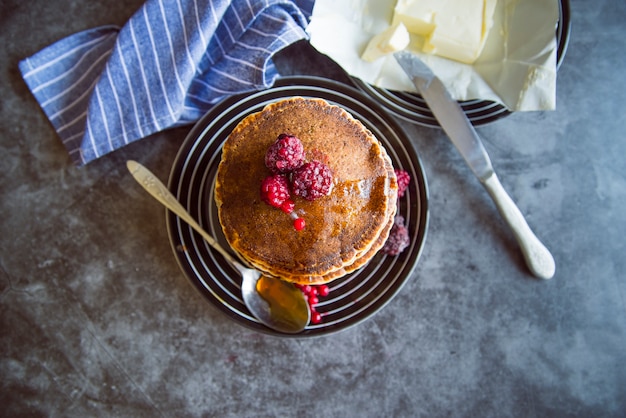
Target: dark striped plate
<point x="353" y="298"/>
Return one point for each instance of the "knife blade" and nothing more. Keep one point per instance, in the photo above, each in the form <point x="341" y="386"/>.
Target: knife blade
<point x="458" y="128"/>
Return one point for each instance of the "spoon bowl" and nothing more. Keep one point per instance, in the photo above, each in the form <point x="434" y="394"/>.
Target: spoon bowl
<point x="275" y="303"/>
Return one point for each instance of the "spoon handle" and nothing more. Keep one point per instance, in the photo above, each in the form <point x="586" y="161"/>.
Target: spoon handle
<point x="157" y="189"/>
<point x="537" y="256"/>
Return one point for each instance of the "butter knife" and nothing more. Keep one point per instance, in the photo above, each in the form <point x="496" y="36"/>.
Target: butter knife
<point x="463" y="135"/>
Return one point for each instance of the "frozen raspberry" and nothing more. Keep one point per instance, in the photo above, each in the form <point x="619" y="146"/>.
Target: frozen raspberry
<point x="284" y="155"/>
<point x="287" y="206"/>
<point x="398" y="237"/>
<point x="275" y="190"/>
<point x="312" y="180"/>
<point x="403" y="181"/>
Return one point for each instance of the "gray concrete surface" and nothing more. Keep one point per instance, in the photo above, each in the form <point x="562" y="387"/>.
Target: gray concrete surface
<point x="97" y="320"/>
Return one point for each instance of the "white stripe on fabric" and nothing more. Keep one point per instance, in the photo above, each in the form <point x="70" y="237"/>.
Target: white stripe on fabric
<point x="213" y="13"/>
<point x="239" y="20"/>
<point x="67" y="73"/>
<point x="78" y="100"/>
<point x="158" y="65"/>
<point x="72" y="122"/>
<point x="261" y="33"/>
<point x="250" y="8"/>
<point x="86" y="74"/>
<point x="143" y="76"/>
<point x="230" y="35"/>
<point x="285" y="40"/>
<point x="197" y="98"/>
<point x="118" y="105"/>
<point x="274" y="18"/>
<point x="104" y="117"/>
<point x="172" y="56"/>
<point x="219" y="43"/>
<point x="254" y="48"/>
<point x="130" y="90"/>
<point x="232" y="77"/>
<point x="213" y="88"/>
<point x="198" y="26"/>
<point x="185" y="39"/>
<point x="91" y="140"/>
<point x="64" y="55"/>
<point x="205" y="42"/>
<point x="73" y="137"/>
<point x="243" y="62"/>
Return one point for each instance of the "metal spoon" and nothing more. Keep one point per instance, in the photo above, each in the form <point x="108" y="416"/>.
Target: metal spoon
<point x="275" y="303"/>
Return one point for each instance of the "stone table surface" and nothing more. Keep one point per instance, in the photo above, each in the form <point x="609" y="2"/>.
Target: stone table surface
<point x="96" y="318"/>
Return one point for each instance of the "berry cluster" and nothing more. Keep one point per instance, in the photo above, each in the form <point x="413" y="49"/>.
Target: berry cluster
<point x="312" y="294"/>
<point x="285" y="158"/>
<point x="403" y="181"/>
<point x="399" y="235"/>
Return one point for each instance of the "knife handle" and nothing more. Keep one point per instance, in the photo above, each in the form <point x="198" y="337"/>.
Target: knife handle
<point x="538" y="258"/>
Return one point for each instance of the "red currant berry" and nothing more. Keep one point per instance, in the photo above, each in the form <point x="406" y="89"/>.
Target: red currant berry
<point x="316" y="317"/>
<point x="313" y="300"/>
<point x="323" y="290"/>
<point x="299" y="224"/>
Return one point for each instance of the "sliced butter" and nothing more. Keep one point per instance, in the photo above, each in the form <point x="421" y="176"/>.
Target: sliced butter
<point x="455" y="29"/>
<point x="395" y="38"/>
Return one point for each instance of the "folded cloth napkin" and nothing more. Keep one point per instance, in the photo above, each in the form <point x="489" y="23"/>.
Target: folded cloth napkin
<point x="106" y="87"/>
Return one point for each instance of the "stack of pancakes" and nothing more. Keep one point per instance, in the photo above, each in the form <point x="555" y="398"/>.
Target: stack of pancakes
<point x="344" y="230"/>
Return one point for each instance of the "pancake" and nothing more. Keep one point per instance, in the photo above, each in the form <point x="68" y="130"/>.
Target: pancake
<point x="343" y="229"/>
<point x="359" y="262"/>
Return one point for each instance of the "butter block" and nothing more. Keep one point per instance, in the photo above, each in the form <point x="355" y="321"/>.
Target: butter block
<point x="395" y="38"/>
<point x="417" y="15"/>
<point x="455" y="29"/>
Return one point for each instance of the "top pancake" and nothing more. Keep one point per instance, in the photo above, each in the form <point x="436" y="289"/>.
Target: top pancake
<point x="340" y="227"/>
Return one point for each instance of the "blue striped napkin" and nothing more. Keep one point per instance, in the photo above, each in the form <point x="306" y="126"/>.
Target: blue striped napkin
<point x="106" y="87"/>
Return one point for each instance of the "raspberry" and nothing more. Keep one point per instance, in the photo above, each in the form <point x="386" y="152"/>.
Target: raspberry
<point x="275" y="190"/>
<point x="312" y="180"/>
<point x="398" y="237"/>
<point x="287" y="206"/>
<point x="284" y="155"/>
<point x="403" y="181"/>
